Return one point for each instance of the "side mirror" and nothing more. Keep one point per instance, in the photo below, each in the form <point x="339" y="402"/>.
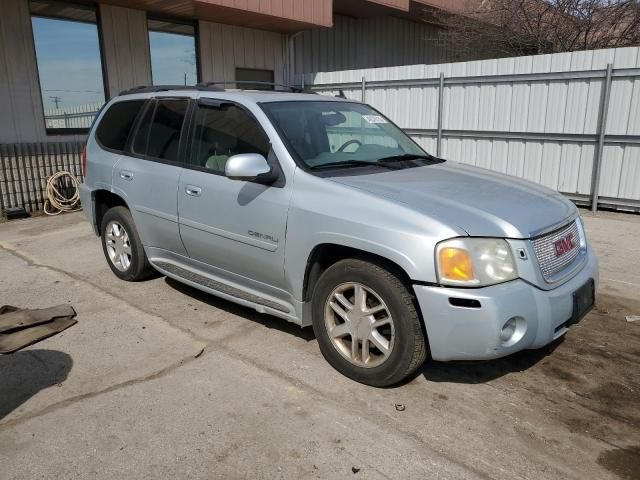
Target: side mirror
<point x="250" y="167"/>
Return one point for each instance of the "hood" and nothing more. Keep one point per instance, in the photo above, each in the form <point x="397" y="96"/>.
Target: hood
<point x="479" y="201"/>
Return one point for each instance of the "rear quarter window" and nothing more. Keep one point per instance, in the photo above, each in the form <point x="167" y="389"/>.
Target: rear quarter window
<point x="114" y="128"/>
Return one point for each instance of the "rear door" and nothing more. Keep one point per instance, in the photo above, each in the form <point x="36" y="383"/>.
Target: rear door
<point x="148" y="176"/>
<point x="236" y="228"/>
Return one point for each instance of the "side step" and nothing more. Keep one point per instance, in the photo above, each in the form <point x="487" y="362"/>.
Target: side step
<point x="224" y="289"/>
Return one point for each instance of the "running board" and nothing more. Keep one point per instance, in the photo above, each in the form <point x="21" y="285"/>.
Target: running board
<point x="224" y="290"/>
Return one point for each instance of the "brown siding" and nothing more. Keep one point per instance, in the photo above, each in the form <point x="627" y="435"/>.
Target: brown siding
<point x="398" y="4"/>
<point x="451" y="5"/>
<point x="274" y="15"/>
<point x="125" y="48"/>
<point x="223" y="48"/>
<point x="315" y="12"/>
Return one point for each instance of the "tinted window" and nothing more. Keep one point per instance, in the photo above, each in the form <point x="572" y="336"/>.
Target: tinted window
<point x="224" y="131"/>
<point x="160" y="137"/>
<point x="116" y="124"/>
<point x="139" y="144"/>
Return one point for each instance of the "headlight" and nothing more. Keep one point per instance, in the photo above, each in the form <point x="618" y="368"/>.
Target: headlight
<point x="475" y="262"/>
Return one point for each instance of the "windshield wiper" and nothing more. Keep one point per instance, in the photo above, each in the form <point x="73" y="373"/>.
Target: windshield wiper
<point x="354" y="163"/>
<point x="411" y="156"/>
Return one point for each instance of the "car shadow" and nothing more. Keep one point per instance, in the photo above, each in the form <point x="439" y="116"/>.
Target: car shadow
<point x="267" y="321"/>
<point x="25" y="373"/>
<point x="473" y="372"/>
<point x="468" y="372"/>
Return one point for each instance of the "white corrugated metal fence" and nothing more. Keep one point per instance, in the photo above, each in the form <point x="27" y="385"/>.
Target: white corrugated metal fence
<point x="538" y="117"/>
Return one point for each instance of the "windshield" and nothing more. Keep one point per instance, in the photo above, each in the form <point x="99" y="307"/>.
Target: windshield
<point x="330" y="134"/>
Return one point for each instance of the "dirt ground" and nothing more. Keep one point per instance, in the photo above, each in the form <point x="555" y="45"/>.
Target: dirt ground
<point x="159" y="380"/>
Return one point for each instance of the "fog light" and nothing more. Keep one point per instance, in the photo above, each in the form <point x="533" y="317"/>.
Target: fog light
<point x="508" y="330"/>
<point x="513" y="331"/>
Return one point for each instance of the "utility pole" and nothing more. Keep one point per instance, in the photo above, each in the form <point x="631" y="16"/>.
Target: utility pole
<point x="56" y="99"/>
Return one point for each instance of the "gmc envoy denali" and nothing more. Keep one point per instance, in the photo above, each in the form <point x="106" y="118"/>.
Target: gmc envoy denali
<point x="321" y="211"/>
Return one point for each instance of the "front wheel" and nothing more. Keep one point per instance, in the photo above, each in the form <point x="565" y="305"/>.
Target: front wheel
<point x="366" y="323"/>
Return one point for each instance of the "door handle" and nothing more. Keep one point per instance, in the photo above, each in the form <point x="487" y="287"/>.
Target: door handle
<point x="125" y="175"/>
<point x="193" y="190"/>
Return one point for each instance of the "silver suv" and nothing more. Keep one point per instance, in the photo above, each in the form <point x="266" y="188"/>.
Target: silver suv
<point x="321" y="211"/>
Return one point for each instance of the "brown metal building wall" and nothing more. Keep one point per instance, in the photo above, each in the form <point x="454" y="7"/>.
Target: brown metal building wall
<point x="316" y="12"/>
<point x="355" y="43"/>
<point x="21" y="116"/>
<point x="223" y="48"/>
<point x="125" y="48"/>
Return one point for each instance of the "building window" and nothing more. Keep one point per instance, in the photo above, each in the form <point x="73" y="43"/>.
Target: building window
<point x="248" y="75"/>
<point x="69" y="64"/>
<point x="173" y="53"/>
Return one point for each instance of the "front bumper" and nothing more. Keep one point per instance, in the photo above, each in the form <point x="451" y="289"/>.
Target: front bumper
<point x="462" y="333"/>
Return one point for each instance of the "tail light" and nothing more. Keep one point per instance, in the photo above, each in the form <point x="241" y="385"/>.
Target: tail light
<point x="84" y="161"/>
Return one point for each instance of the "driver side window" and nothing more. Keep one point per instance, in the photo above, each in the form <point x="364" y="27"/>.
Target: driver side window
<point x="223" y="131"/>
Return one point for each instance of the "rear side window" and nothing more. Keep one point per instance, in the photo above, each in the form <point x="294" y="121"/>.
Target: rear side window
<point x="139" y="144"/>
<point x="159" y="133"/>
<point x="223" y="132"/>
<point x="115" y="126"/>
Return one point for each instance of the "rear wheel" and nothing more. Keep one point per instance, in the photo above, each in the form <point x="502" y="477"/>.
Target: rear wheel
<point x="122" y="246"/>
<point x="366" y="323"/>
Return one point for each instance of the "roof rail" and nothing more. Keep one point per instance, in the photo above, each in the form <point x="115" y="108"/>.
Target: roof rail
<point x="164" y="88"/>
<point x="212" y="87"/>
<point x="239" y="83"/>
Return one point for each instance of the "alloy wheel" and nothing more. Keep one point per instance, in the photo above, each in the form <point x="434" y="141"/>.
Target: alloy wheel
<point x="118" y="246"/>
<point x="359" y="324"/>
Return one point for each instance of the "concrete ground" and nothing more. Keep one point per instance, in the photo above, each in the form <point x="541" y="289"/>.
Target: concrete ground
<point x="130" y="393"/>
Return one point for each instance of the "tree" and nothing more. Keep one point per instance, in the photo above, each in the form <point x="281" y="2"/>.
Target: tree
<point x="529" y="27"/>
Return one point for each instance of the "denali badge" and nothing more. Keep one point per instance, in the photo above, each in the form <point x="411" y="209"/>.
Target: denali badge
<point x="262" y="236"/>
<point x="564" y="245"/>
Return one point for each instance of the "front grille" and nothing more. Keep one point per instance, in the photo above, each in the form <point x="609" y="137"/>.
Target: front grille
<point x="545" y="249"/>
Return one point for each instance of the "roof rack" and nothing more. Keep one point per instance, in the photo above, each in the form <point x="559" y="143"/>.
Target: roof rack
<point x="213" y="87"/>
<point x="239" y="83"/>
<point x="164" y="88"/>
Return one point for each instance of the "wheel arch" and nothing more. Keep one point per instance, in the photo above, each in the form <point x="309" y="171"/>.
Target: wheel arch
<point x="323" y="255"/>
<point x="103" y="200"/>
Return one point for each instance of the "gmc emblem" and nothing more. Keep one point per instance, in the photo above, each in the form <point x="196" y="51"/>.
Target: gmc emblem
<point x="564" y="245"/>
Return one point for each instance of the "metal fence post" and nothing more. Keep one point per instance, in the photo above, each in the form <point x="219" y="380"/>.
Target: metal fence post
<point x="440" y="105"/>
<point x="602" y="131"/>
<point x="364" y="90"/>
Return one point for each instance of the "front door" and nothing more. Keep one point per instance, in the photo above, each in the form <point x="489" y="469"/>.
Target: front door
<point x="236" y="228"/>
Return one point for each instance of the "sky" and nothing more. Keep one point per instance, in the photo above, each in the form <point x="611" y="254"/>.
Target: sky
<point x="69" y="62"/>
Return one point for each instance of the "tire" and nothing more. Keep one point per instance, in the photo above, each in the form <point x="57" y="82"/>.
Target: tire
<point x="137" y="267"/>
<point x="384" y="292"/>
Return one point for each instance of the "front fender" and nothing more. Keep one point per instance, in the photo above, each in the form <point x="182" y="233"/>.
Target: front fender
<point x="327" y="212"/>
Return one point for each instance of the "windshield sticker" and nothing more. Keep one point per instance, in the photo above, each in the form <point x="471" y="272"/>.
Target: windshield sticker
<point x="374" y="119"/>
